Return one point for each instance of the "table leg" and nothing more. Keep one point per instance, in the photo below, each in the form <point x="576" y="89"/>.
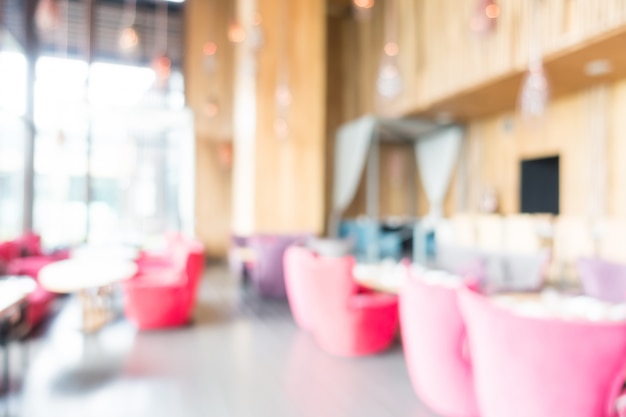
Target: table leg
<point x="96" y="309"/>
<point x="4" y="343"/>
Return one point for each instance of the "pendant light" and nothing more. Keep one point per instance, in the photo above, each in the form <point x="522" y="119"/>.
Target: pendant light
<point x="211" y="107"/>
<point x="161" y="64"/>
<point x="47" y="15"/>
<point x="236" y="31"/>
<point x="128" y="38"/>
<point x="363" y="8"/>
<point x="389" y="82"/>
<point x="282" y="95"/>
<point x="257" y="37"/>
<point x="485" y="17"/>
<point x="535" y="92"/>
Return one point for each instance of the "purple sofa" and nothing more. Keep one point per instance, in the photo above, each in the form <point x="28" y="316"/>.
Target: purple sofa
<point x="266" y="274"/>
<point x="603" y="279"/>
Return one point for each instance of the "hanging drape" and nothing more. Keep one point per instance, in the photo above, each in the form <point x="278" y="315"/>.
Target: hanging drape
<point x="437" y="154"/>
<point x="352" y="144"/>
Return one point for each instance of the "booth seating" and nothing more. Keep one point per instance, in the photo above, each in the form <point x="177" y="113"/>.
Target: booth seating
<point x="163" y="293"/>
<point x="603" y="279"/>
<point x="325" y="299"/>
<point x="266" y="272"/>
<point x="542" y="367"/>
<point x="496" y="271"/>
<point x="24" y="256"/>
<point x="433" y="336"/>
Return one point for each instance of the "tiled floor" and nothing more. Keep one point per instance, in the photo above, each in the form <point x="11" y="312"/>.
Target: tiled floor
<point x="243" y="357"/>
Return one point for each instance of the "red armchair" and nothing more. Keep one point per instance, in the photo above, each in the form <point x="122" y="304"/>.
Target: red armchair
<point x="24" y="256"/>
<point x="346" y="323"/>
<point x="163" y="294"/>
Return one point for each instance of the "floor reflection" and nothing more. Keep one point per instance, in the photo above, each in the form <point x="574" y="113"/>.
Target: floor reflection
<point x="242" y="357"/>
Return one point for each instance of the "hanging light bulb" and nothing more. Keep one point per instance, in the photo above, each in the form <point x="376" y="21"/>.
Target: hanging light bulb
<point x="485" y="17"/>
<point x="48" y="15"/>
<point x="363" y="8"/>
<point x="128" y="38"/>
<point x="236" y="32"/>
<point x="162" y="66"/>
<point x="535" y="93"/>
<point x="257" y="37"/>
<point x="211" y="108"/>
<point x="209" y="50"/>
<point x="389" y="81"/>
<point x="283" y="99"/>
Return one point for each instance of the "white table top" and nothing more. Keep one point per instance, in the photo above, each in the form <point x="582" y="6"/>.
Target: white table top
<point x="550" y="304"/>
<point x="116" y="252"/>
<point x="13" y="291"/>
<point x="80" y="274"/>
<point x="385" y="276"/>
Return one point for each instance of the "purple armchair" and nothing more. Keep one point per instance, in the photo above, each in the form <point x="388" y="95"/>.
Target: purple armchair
<point x="526" y="366"/>
<point x="433" y="333"/>
<point x="266" y="274"/>
<point x="603" y="279"/>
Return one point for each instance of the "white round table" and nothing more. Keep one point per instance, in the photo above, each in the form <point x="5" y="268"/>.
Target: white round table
<point x="92" y="279"/>
<point x="118" y="252"/>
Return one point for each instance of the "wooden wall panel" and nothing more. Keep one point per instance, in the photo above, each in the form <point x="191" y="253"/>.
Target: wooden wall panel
<point x="213" y="180"/>
<point x="288" y="179"/>
<point x="503" y="141"/>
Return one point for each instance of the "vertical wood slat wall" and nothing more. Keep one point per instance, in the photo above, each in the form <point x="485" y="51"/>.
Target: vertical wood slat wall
<point x="213" y="180"/>
<point x="439" y="56"/>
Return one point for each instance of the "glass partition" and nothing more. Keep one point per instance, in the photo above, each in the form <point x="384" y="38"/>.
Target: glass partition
<point x="14" y="133"/>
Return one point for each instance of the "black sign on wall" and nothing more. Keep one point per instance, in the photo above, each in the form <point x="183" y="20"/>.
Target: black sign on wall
<point x="540" y="185"/>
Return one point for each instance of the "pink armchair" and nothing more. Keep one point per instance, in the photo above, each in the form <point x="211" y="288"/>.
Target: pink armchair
<point x="24" y="256"/>
<point x="164" y="294"/>
<point x="542" y="367"/>
<point x="298" y="286"/>
<point x="433" y="336"/>
<point x="344" y="322"/>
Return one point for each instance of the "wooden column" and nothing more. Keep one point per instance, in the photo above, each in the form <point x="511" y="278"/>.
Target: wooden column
<point x="206" y="19"/>
<point x="279" y="186"/>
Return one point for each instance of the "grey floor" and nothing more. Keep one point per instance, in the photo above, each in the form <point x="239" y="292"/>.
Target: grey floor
<point x="242" y="357"/>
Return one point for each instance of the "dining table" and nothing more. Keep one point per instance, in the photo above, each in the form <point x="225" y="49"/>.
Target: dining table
<point x="92" y="278"/>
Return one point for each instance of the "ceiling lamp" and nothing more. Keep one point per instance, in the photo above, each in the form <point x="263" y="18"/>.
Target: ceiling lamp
<point x="211" y="108"/>
<point x="257" y="37"/>
<point x="389" y="82"/>
<point x="485" y="17"/>
<point x="236" y="32"/>
<point x="534" y="95"/>
<point x="363" y="8"/>
<point x="162" y="64"/>
<point x="282" y="96"/>
<point x="48" y="15"/>
<point x="209" y="50"/>
<point x="128" y="38"/>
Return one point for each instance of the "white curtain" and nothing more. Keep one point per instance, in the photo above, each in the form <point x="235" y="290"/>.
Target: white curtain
<point x="352" y="144"/>
<point x="437" y="155"/>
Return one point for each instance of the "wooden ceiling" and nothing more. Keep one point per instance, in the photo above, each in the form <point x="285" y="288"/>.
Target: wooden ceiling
<point x="565" y="70"/>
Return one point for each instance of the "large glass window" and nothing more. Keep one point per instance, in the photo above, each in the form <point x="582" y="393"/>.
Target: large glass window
<point x="14" y="131"/>
<point x="121" y="131"/>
